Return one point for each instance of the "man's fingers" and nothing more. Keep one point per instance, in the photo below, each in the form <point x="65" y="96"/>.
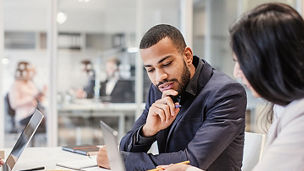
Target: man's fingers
<point x="166" y="111"/>
<point x="168" y="101"/>
<point x="159" y="111"/>
<point x="102" y="157"/>
<point x="169" y="93"/>
<point x="176" y="109"/>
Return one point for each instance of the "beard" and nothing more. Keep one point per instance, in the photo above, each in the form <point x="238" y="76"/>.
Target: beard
<point x="184" y="80"/>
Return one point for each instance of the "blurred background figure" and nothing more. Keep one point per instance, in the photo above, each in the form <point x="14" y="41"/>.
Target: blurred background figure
<point x="24" y="96"/>
<point x="112" y="72"/>
<point x="87" y="91"/>
<point x="116" y="89"/>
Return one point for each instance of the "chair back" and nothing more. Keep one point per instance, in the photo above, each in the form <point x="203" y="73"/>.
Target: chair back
<point x="8" y="106"/>
<point x="9" y="115"/>
<point x="253" y="148"/>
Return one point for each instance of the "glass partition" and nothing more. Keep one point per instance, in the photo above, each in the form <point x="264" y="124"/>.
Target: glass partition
<point x="96" y="68"/>
<point x="25" y="68"/>
<point x="97" y="53"/>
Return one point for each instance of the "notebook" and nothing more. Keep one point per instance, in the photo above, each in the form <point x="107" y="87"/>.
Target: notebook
<point x="110" y="139"/>
<point x="87" y="150"/>
<point x="80" y="165"/>
<point x="23" y="140"/>
<point x="89" y="164"/>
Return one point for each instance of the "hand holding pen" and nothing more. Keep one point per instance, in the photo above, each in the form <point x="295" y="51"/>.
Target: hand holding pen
<point x="161" y="113"/>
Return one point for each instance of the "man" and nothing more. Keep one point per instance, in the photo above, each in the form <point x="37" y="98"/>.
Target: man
<point x="89" y="76"/>
<point x="115" y="89"/>
<point x="208" y="128"/>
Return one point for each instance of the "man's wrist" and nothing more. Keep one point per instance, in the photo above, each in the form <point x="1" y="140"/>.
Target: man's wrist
<point x="146" y="132"/>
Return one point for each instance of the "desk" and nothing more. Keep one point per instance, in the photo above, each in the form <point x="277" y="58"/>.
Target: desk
<point x="48" y="157"/>
<point x="96" y="109"/>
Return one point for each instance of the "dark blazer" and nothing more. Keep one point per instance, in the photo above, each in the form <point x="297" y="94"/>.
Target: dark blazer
<point x="123" y="92"/>
<point x="208" y="131"/>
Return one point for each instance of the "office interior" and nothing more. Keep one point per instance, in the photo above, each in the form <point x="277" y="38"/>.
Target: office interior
<point x="56" y="36"/>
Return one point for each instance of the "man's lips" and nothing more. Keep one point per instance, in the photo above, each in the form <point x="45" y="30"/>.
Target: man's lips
<point x="165" y="86"/>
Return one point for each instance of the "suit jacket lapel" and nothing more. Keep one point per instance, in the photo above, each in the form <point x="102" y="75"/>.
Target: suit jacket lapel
<point x="205" y="74"/>
<point x="175" y="122"/>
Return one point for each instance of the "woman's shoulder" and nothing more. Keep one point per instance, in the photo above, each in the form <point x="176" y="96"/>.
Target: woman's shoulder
<point x="293" y="110"/>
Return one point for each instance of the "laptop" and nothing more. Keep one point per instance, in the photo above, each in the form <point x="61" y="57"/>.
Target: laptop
<point x="23" y="140"/>
<point x="110" y="139"/>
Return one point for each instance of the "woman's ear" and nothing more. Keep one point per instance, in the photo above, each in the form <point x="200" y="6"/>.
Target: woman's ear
<point x="188" y="55"/>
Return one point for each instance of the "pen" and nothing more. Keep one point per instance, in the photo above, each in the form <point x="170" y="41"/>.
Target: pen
<point x="36" y="168"/>
<point x="178" y="106"/>
<point x="158" y="169"/>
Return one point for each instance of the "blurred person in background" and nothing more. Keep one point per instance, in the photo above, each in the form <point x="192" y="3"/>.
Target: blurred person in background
<point x="116" y="89"/>
<point x="87" y="91"/>
<point x="24" y="96"/>
<point x="268" y="47"/>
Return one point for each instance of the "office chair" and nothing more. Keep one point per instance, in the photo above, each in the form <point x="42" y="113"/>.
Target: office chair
<point x="10" y="112"/>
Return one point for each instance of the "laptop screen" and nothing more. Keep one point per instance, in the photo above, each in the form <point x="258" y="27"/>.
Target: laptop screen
<point x="110" y="139"/>
<point x="23" y="140"/>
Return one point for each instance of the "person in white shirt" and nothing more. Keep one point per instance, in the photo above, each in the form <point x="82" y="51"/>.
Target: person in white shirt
<point x="268" y="47"/>
<point x="112" y="70"/>
<point x="116" y="89"/>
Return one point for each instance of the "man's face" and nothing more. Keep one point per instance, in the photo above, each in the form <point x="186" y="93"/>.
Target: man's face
<point x="111" y="68"/>
<point x="166" y="66"/>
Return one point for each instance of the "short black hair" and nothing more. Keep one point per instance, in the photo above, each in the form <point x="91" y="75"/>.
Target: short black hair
<point x="268" y="42"/>
<point x="158" y="32"/>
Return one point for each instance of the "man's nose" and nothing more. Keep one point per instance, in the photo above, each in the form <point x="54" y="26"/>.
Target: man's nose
<point x="161" y="76"/>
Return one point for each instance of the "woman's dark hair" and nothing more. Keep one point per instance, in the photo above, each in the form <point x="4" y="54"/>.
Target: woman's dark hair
<point x="268" y="42"/>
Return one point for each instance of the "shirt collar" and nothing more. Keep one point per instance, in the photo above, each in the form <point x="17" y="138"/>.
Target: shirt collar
<point x="279" y="110"/>
<point x="191" y="87"/>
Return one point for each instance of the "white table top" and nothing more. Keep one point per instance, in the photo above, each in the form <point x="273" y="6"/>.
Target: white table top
<point x="48" y="157"/>
<point x="87" y="105"/>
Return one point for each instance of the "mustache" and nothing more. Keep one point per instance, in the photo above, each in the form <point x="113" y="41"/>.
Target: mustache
<point x="165" y="81"/>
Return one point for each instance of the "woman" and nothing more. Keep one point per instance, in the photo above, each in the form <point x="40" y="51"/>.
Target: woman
<point x="268" y="46"/>
<point x="24" y="96"/>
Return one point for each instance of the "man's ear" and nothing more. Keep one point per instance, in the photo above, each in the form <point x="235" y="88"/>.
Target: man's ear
<point x="188" y="55"/>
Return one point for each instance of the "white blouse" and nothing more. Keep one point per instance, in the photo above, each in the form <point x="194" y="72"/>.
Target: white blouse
<point x="285" y="140"/>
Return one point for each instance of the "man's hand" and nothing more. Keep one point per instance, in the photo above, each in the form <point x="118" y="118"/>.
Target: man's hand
<point x="102" y="158"/>
<point x="161" y="114"/>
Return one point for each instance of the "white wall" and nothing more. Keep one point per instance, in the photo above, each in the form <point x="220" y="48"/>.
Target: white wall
<point x="99" y="16"/>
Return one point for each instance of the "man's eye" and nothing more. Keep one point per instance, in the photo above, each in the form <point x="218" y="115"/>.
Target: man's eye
<point x="167" y="64"/>
<point x="150" y="70"/>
